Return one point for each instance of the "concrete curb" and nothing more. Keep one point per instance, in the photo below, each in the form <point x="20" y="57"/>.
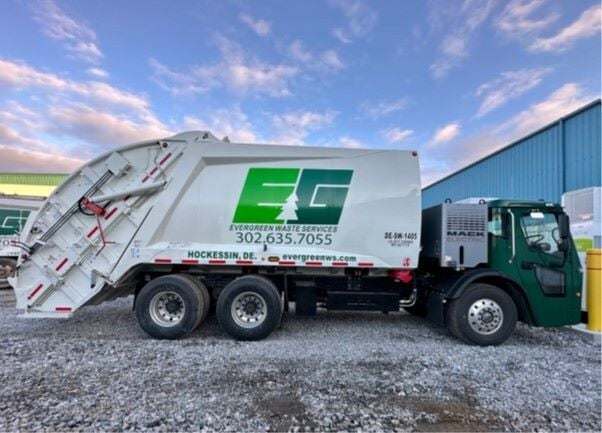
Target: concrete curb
<point x="593" y="336"/>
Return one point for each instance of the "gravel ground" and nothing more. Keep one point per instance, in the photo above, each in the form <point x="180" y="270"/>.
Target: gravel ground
<point x="338" y="371"/>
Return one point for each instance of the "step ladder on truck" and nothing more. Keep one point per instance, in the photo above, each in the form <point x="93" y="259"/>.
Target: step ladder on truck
<point x="190" y="221"/>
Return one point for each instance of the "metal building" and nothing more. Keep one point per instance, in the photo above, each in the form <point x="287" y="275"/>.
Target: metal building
<point x="29" y="184"/>
<point x="563" y="156"/>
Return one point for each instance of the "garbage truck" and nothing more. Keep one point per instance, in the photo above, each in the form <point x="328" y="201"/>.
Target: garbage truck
<point x="14" y="210"/>
<point x="192" y="225"/>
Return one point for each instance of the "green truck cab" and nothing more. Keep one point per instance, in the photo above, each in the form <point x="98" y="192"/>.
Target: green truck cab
<point x="530" y="243"/>
<point x="528" y="270"/>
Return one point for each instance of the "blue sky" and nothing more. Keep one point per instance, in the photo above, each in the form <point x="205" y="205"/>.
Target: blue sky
<point x="453" y="79"/>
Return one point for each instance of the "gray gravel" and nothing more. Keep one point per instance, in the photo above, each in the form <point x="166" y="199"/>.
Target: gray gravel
<point x="338" y="371"/>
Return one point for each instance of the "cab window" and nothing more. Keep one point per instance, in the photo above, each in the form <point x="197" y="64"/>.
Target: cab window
<point x="495" y="225"/>
<point x="541" y="231"/>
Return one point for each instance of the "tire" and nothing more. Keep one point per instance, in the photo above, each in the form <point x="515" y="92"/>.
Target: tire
<point x="170" y="306"/>
<point x="263" y="315"/>
<point x="484" y="315"/>
<point x="205" y="298"/>
<point x="7" y="269"/>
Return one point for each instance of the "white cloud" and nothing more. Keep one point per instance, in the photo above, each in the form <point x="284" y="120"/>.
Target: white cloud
<point x="20" y="152"/>
<point x="78" y="38"/>
<point x="509" y="85"/>
<point x="232" y="123"/>
<point x="271" y="80"/>
<point x="518" y="18"/>
<point x="98" y="73"/>
<point x="176" y="83"/>
<point x="432" y="169"/>
<point x="21" y="76"/>
<point x="383" y="108"/>
<point x="455" y="46"/>
<point x="464" y="21"/>
<point x="330" y="60"/>
<point x="19" y="116"/>
<point x="442" y="160"/>
<point x="341" y="35"/>
<point x="327" y="61"/>
<point x="446" y="133"/>
<point x="34" y="161"/>
<point x="103" y="128"/>
<point x="13" y="137"/>
<point x="234" y="71"/>
<point x="360" y="20"/>
<point x="293" y="127"/>
<point x="259" y="26"/>
<point x="441" y="67"/>
<point x="298" y="52"/>
<point x="396" y="135"/>
<point x="86" y="117"/>
<point x="351" y="143"/>
<point x="561" y="102"/>
<point x="588" y="24"/>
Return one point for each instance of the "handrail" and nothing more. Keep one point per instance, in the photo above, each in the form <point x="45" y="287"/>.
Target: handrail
<point x="513" y="237"/>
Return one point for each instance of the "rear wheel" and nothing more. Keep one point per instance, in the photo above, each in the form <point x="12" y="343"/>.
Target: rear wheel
<point x="204" y="300"/>
<point x="170" y="307"/>
<point x="7" y="270"/>
<point x="249" y="308"/>
<point x="483" y="315"/>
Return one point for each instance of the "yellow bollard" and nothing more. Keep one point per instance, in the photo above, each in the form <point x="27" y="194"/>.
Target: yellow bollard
<point x="594" y="289"/>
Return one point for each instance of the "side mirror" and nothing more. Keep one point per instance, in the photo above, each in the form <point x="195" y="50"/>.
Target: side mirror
<point x="564" y="232"/>
<point x="563" y="226"/>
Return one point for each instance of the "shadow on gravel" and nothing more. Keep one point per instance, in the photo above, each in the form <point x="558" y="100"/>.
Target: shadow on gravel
<point x="284" y="412"/>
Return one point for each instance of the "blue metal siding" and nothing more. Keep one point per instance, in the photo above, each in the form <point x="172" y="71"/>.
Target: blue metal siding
<point x="582" y="151"/>
<point x="561" y="157"/>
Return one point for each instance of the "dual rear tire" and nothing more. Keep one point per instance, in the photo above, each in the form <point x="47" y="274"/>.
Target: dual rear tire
<point x="171" y="306"/>
<point x="249" y="308"/>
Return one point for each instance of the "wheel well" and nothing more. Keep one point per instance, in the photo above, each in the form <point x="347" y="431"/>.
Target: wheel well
<point x="516" y="293"/>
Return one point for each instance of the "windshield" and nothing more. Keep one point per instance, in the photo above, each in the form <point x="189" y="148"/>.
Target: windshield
<point x="541" y="230"/>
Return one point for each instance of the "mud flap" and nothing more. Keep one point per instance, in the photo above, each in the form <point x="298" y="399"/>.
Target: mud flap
<point x="435" y="308"/>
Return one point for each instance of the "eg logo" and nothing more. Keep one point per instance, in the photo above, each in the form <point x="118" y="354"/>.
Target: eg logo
<point x="293" y="196"/>
<point x="12" y="221"/>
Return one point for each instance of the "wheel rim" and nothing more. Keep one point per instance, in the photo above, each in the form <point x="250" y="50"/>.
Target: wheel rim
<point x="485" y="316"/>
<point x="249" y="310"/>
<point x="167" y="308"/>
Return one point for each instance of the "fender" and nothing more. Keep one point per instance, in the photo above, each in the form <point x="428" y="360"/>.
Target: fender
<point x="452" y="288"/>
<point x="458" y="286"/>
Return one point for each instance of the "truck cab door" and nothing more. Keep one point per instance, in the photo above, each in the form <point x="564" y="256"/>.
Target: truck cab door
<point x="545" y="266"/>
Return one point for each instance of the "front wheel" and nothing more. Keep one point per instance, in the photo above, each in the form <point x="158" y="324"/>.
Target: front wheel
<point x="483" y="315"/>
<point x="249" y="308"/>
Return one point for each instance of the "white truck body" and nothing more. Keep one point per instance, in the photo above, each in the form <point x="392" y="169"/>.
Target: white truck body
<point x="194" y="200"/>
